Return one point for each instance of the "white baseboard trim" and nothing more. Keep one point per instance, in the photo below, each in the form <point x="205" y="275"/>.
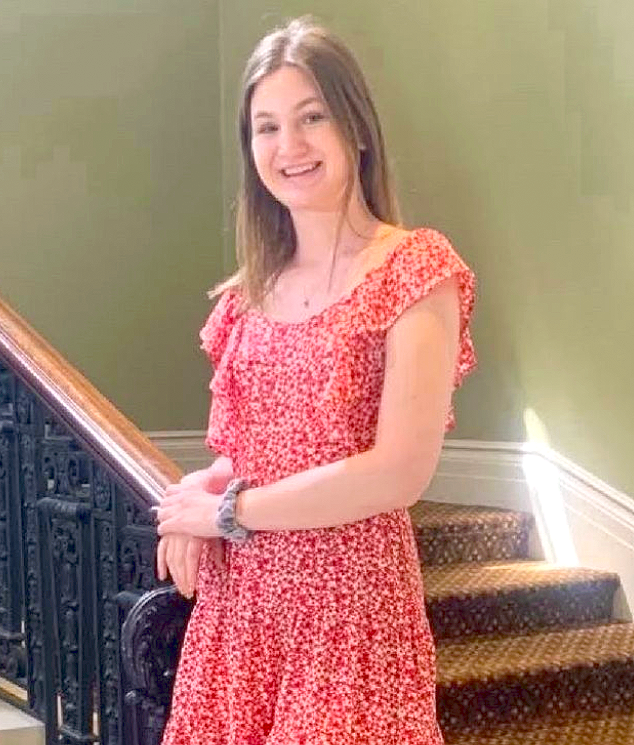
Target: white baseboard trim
<point x="185" y="447"/>
<point x="579" y="518"/>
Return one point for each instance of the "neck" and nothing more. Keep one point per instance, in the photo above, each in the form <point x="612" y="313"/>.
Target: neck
<point x="317" y="235"/>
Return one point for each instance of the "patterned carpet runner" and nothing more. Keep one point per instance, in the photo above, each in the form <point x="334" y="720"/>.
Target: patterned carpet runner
<point x="528" y="652"/>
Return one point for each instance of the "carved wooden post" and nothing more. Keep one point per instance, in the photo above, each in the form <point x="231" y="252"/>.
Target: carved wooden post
<point x="151" y="640"/>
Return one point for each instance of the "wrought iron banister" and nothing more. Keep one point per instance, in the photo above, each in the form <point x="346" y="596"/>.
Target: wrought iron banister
<point x="77" y="545"/>
<point x="87" y="413"/>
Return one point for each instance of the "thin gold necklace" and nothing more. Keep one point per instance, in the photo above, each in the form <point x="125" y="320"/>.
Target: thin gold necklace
<point x="391" y="230"/>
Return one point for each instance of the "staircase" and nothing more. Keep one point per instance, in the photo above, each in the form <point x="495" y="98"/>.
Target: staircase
<point x="527" y="652"/>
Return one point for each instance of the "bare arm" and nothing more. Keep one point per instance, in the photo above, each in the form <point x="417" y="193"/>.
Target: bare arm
<point x="421" y="351"/>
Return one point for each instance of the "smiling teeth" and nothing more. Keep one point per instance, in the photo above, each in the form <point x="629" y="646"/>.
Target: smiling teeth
<point x="299" y="169"/>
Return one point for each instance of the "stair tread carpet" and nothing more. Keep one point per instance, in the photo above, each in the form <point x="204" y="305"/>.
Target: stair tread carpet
<point x="451" y="533"/>
<point x="471" y="580"/>
<point x="527" y="652"/>
<point x="451" y="517"/>
<point x="573" y="728"/>
<point x="484" y="598"/>
<point x="488" y="659"/>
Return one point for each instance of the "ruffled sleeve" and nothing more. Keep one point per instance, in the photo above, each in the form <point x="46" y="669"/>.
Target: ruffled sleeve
<point x="410" y="274"/>
<point x="215" y="337"/>
<point x="215" y="333"/>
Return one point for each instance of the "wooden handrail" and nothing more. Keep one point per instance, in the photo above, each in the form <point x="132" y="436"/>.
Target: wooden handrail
<point x="91" y="417"/>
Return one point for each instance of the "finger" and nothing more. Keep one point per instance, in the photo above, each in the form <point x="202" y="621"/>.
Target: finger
<point x="161" y="565"/>
<point x="173" y="562"/>
<point x="164" y="544"/>
<point x="177" y="522"/>
<point x="192" y="561"/>
<point x="180" y="561"/>
<point x="168" y="556"/>
<point x="173" y="525"/>
<point x="176" y="498"/>
<point x="163" y="513"/>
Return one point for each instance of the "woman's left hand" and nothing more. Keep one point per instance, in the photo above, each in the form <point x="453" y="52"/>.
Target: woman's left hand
<point x="188" y="510"/>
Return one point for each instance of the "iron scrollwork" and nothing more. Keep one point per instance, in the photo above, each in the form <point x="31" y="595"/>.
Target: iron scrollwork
<point x="74" y="539"/>
<point x="151" y="639"/>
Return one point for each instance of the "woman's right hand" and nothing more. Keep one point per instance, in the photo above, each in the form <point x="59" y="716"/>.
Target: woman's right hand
<point x="179" y="554"/>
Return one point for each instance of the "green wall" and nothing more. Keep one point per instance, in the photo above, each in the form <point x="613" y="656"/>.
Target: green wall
<point x="510" y="127"/>
<point x="111" y="191"/>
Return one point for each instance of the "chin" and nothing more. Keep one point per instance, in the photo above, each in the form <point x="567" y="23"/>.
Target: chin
<point x="308" y="202"/>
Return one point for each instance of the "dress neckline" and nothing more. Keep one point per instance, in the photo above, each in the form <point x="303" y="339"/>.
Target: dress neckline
<point x="347" y="296"/>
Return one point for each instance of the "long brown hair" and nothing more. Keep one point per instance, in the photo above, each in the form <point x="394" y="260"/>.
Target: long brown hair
<point x="265" y="235"/>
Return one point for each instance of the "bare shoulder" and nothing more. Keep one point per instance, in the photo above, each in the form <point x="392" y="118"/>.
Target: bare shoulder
<point x="379" y="252"/>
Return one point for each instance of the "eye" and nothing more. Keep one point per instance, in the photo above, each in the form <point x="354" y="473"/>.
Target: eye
<point x="266" y="128"/>
<point x="312" y="117"/>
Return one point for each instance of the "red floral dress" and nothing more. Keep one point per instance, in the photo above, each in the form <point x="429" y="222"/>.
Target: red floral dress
<point x="314" y="637"/>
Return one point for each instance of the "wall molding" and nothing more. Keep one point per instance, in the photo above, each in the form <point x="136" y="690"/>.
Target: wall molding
<point x="579" y="518"/>
<point x="185" y="447"/>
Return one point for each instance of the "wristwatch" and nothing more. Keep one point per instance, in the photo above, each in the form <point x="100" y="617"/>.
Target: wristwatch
<point x="226" y="516"/>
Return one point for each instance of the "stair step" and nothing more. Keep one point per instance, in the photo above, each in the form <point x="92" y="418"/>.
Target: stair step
<point x="452" y="533"/>
<point x="515" y="597"/>
<point x="488" y="681"/>
<point x="575" y="728"/>
<point x="18" y="728"/>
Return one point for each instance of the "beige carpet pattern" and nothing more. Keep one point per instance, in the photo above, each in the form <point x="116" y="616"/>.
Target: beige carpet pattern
<point x="515" y="597"/>
<point x="450" y="533"/>
<point x="574" y="729"/>
<point x="528" y="652"/>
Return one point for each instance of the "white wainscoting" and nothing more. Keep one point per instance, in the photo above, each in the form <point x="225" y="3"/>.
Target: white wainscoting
<point x="579" y="518"/>
<point x="185" y="447"/>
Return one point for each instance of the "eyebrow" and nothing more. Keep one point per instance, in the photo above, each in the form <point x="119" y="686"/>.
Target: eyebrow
<point x="304" y="102"/>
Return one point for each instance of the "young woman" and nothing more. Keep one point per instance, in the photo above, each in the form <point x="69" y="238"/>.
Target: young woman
<point x="336" y="347"/>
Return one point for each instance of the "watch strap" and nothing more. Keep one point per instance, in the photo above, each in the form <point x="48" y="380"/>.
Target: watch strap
<point x="226" y="522"/>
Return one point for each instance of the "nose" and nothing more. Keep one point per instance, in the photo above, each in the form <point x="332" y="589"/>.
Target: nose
<point x="291" y="140"/>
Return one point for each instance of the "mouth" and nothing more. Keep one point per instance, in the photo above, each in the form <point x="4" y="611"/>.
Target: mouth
<point x="301" y="170"/>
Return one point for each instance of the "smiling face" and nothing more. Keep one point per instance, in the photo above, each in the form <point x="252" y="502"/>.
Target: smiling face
<point x="299" y="154"/>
